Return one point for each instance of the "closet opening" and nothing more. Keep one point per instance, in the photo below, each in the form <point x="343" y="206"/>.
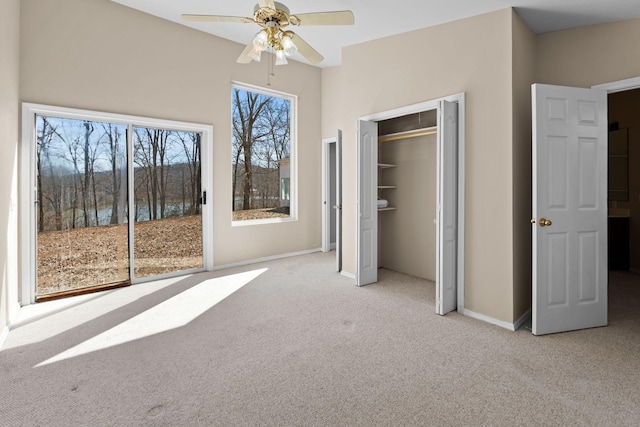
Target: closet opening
<point x="411" y="196"/>
<point x="406" y="194"/>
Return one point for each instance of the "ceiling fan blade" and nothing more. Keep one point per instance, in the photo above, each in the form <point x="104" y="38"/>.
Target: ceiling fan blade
<point x="216" y="18"/>
<point x="341" y="17"/>
<point x="267" y="3"/>
<point x="244" y="56"/>
<point x="306" y="50"/>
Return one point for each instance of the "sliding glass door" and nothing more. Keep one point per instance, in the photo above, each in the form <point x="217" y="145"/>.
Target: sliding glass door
<point x="81" y="203"/>
<point x="114" y="203"/>
<point x="166" y="204"/>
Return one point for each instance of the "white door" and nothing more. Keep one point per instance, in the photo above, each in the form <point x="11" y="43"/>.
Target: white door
<point x="447" y="208"/>
<point x="367" y="205"/>
<point x="339" y="201"/>
<point x="569" y="209"/>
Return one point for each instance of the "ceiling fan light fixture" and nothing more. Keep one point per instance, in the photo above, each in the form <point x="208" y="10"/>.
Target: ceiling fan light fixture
<point x="281" y="57"/>
<point x="261" y="41"/>
<point x="288" y="45"/>
<point x="255" y="55"/>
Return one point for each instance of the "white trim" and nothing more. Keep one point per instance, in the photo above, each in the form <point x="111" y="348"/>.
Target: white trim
<point x="403" y="111"/>
<point x="293" y="152"/>
<point x="242" y="223"/>
<point x="265" y="259"/>
<point x="27" y="197"/>
<point x="620" y="85"/>
<point x="506" y="325"/>
<point x="522" y="320"/>
<point x="461" y="100"/>
<point x="326" y="194"/>
<point x="13" y="315"/>
<point x="431" y="105"/>
<point x="349" y="275"/>
<point x="3" y="336"/>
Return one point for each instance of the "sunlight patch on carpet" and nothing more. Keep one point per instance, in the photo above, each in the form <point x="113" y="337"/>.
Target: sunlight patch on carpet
<point x="173" y="313"/>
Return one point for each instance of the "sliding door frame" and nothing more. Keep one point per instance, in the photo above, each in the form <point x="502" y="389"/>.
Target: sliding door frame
<point x="28" y="197"/>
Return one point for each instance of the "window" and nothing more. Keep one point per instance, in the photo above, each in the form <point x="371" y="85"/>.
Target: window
<point x="263" y="155"/>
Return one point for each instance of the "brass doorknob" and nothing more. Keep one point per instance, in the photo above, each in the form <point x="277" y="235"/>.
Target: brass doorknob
<point x="544" y="222"/>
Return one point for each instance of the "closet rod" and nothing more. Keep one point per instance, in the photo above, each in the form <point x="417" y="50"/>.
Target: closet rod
<point x="408" y="134"/>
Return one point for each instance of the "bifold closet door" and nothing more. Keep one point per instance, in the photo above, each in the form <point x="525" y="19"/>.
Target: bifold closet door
<point x="447" y="208"/>
<point x="367" y="204"/>
<point x="338" y="158"/>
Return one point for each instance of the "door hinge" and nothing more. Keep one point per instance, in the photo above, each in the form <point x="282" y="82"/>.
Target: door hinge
<point x="203" y="199"/>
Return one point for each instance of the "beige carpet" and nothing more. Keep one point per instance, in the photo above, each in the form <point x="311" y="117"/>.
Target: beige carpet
<point x="301" y="345"/>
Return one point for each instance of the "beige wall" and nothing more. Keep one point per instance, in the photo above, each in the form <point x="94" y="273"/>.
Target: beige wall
<point x="9" y="111"/>
<point x="473" y="56"/>
<point x="102" y="56"/>
<point x="591" y="55"/>
<point x="523" y="51"/>
<point x="407" y="235"/>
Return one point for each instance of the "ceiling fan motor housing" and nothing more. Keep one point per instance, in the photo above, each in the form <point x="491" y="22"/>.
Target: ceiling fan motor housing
<point x="267" y="17"/>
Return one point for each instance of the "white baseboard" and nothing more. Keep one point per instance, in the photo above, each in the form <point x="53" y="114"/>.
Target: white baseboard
<point x="264" y="259"/>
<point x="501" y="323"/>
<point x="522" y="320"/>
<point x="349" y="275"/>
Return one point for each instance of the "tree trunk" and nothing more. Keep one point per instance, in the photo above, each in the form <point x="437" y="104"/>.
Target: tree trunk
<point x="87" y="176"/>
<point x="248" y="180"/>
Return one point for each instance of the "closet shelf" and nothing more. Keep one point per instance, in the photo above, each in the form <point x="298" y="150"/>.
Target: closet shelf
<point x="383" y="187"/>
<point x="408" y="134"/>
<point x="385" y="165"/>
<point x="388" y="208"/>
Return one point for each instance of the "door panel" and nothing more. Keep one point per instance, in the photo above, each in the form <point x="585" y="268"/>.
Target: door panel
<point x="167" y="213"/>
<point x="339" y="201"/>
<point x="367" y="206"/>
<point x="447" y="206"/>
<point x="569" y="215"/>
<point x="81" y="201"/>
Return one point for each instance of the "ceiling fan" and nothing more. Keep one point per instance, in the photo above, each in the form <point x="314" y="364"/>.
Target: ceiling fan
<point x="273" y="17"/>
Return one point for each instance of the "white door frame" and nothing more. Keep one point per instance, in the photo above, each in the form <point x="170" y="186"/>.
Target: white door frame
<point x="620" y="85"/>
<point x="27" y="213"/>
<point x="432" y="105"/>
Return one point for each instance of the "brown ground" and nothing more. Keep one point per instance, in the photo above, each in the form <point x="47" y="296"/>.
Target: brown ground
<point x="80" y="258"/>
<point x="261" y="214"/>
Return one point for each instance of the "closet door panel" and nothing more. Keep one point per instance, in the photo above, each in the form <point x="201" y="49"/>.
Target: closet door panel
<point x="367" y="203"/>
<point x="446" y="268"/>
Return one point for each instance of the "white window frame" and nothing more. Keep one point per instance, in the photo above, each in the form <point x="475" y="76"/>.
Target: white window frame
<point x="293" y="154"/>
<point x="27" y="213"/>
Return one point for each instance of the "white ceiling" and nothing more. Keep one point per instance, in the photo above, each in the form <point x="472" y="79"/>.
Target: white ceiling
<point x="375" y="19"/>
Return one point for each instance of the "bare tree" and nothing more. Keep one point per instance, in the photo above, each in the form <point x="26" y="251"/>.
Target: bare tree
<point x="115" y="160"/>
<point x="247" y="130"/>
<point x="73" y="146"/>
<point x="46" y="133"/>
<point x="192" y="152"/>
<point x="151" y="151"/>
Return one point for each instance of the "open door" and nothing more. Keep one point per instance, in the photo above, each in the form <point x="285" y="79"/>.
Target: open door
<point x="367" y="205"/>
<point x="447" y="208"/>
<point x="338" y="206"/>
<point x="569" y="209"/>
